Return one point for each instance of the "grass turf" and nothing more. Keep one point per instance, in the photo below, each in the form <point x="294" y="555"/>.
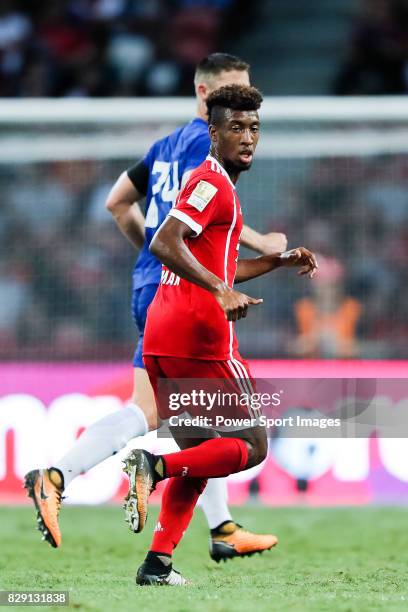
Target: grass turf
<point x="327" y="559"/>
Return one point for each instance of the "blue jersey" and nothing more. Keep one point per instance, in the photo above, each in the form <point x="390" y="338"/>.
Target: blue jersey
<point x="167" y="161"/>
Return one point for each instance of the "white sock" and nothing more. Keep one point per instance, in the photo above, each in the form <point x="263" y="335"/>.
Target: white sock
<point x="214" y="502"/>
<point x="102" y="440"/>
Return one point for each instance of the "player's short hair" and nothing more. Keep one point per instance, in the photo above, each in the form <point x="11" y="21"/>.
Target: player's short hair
<point x="233" y="97"/>
<point x="215" y="63"/>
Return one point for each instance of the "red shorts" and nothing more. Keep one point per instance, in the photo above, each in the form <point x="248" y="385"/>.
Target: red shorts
<point x="177" y="376"/>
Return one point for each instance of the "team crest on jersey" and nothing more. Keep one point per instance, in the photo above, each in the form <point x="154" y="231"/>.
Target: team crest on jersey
<point x="202" y="195"/>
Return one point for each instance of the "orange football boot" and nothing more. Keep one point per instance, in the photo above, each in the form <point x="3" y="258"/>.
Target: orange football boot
<point x="45" y="487"/>
<point x="139" y="466"/>
<point x="231" y="540"/>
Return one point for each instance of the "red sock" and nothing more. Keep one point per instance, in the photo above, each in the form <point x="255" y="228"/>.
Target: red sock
<point x="179" y="499"/>
<point x="211" y="459"/>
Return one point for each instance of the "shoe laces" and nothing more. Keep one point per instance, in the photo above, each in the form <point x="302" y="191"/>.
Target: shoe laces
<point x="241" y="531"/>
<point x="59" y="498"/>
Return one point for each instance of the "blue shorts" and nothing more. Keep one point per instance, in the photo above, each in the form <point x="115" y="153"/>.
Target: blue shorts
<point x="141" y="299"/>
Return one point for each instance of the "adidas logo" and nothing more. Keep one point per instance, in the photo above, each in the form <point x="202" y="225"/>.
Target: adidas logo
<point x="158" y="527"/>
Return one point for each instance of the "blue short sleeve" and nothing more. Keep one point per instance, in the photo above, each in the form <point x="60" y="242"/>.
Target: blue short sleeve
<point x="150" y="156"/>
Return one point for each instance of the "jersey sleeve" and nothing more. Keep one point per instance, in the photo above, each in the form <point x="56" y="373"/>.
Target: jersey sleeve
<point x="196" y="152"/>
<point x="139" y="176"/>
<point x="196" y="205"/>
<point x="140" y="172"/>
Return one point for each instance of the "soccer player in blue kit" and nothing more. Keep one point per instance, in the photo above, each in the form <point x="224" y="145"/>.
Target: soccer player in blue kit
<point x="158" y="177"/>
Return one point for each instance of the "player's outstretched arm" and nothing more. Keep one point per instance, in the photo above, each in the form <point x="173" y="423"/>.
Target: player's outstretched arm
<point x="122" y="203"/>
<point x="300" y="258"/>
<point x="169" y="247"/>
<point x="266" y="244"/>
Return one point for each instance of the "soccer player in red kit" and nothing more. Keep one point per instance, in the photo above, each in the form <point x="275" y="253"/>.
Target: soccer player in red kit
<point x="189" y="330"/>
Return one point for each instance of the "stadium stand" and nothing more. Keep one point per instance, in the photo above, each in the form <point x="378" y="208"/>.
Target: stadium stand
<point x="106" y="47"/>
<point x="65" y="269"/>
<point x="376" y="59"/>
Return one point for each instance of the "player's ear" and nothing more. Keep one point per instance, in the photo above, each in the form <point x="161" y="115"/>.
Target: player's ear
<point x="202" y="91"/>
<point x="213" y="132"/>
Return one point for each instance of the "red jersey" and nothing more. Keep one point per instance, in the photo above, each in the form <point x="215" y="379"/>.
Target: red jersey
<point x="183" y="319"/>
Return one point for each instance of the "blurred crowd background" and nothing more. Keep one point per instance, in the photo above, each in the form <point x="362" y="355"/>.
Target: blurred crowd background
<point x="110" y="47"/>
<point x="150" y="47"/>
<point x="65" y="276"/>
<point x="65" y="270"/>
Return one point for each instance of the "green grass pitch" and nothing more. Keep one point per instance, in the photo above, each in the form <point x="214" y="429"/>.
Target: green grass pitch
<point x="327" y="559"/>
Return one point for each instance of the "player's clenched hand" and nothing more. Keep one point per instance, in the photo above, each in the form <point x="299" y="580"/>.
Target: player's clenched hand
<point x="234" y="303"/>
<point x="300" y="258"/>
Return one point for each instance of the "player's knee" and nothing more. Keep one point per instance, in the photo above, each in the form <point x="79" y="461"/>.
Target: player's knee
<point x="262" y="450"/>
<point x="153" y="421"/>
<point x="150" y="413"/>
<point x="257" y="451"/>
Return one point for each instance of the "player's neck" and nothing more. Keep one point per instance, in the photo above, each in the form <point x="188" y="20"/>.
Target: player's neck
<point x="232" y="172"/>
<point x="202" y="110"/>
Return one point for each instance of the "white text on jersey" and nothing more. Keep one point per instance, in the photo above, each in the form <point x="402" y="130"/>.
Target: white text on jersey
<point x="169" y="278"/>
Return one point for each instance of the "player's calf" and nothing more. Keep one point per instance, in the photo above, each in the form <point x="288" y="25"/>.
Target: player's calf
<point x="210" y="459"/>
